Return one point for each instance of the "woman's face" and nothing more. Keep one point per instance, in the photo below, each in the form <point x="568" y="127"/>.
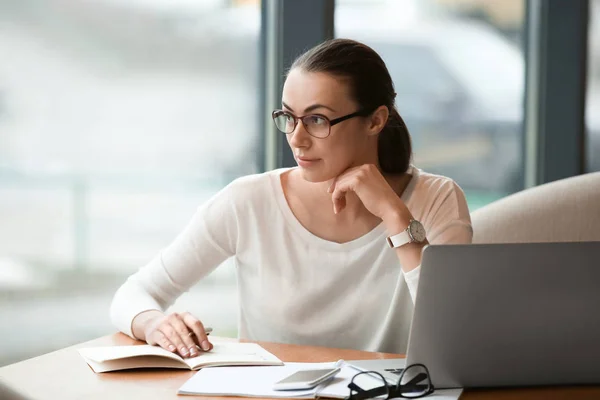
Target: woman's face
<point x="352" y="142"/>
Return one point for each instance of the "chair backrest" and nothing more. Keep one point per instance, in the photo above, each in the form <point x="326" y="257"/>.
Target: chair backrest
<point x="567" y="210"/>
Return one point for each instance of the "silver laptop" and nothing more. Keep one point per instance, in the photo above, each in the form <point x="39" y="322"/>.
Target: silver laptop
<point x="494" y="315"/>
<point x="8" y="393"/>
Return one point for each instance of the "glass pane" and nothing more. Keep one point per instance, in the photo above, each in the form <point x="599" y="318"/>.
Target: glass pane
<point x="593" y="89"/>
<point x="458" y="70"/>
<point x="117" y="119"/>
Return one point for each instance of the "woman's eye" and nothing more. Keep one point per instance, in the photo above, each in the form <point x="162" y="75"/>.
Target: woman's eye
<point x="289" y="120"/>
<point x="316" y="120"/>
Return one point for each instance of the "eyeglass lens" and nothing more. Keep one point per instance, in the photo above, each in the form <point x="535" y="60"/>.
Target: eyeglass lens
<point x="367" y="381"/>
<point x="315" y="125"/>
<point x="414" y="382"/>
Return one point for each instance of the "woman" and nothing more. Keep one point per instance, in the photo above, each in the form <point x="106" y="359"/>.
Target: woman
<point x="311" y="243"/>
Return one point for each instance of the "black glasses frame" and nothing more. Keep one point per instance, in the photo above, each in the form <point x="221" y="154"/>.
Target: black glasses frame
<point x="392" y="391"/>
<point x="332" y="122"/>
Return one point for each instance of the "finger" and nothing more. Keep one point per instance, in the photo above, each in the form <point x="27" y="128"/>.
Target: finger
<point x="339" y="198"/>
<point x="169" y="331"/>
<point x="338" y="179"/>
<point x="331" y="187"/>
<point x="339" y="204"/>
<point x="185" y="334"/>
<point x="198" y="328"/>
<point x="189" y="321"/>
<point x="151" y="328"/>
<point x="160" y="339"/>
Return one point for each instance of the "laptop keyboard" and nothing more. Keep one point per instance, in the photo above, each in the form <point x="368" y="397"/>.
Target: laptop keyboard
<point x="395" y="371"/>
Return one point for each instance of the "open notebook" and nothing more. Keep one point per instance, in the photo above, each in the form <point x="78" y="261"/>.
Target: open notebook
<point x="114" y="358"/>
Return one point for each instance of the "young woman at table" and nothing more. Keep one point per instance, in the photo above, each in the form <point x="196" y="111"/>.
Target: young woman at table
<point x="328" y="252"/>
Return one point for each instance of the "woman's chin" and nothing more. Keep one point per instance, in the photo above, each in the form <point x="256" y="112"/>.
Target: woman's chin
<point x="315" y="176"/>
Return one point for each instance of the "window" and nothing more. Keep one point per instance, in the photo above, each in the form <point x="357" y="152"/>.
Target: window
<point x="117" y="119"/>
<point x="593" y="90"/>
<point x="459" y="72"/>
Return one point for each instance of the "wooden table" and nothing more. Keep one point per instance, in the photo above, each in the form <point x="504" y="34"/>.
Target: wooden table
<point x="63" y="374"/>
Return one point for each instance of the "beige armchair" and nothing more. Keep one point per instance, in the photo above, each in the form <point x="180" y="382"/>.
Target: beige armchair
<point x="561" y="211"/>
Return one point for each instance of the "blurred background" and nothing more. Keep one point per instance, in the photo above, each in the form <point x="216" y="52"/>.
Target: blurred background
<point x="119" y="117"/>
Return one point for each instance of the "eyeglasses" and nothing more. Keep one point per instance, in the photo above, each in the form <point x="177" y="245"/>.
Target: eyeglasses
<point x="414" y="382"/>
<point x="316" y="125"/>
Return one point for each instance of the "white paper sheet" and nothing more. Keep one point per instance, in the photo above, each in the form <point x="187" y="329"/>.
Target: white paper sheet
<point x="246" y="381"/>
<point x="258" y="382"/>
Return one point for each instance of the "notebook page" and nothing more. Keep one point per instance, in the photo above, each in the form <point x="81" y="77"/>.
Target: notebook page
<point x="135" y="362"/>
<point x="233" y="353"/>
<point x="102" y="354"/>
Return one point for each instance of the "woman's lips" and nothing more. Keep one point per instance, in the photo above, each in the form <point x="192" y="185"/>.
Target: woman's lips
<point x="305" y="162"/>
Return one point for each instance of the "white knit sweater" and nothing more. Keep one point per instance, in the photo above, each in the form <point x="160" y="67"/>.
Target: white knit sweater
<point x="295" y="287"/>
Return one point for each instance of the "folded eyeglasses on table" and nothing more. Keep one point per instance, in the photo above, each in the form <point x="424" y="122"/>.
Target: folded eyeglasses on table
<point x="414" y="382"/>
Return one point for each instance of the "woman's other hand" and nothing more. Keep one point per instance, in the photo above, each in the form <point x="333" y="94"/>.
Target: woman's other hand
<point x="372" y="189"/>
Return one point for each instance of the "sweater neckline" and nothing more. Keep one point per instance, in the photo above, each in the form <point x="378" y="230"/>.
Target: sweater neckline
<point x="377" y="233"/>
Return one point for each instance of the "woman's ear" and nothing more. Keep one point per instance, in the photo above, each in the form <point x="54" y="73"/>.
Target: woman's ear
<point x="378" y="120"/>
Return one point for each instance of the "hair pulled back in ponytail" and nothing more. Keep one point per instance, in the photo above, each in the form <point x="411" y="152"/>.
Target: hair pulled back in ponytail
<point x="372" y="86"/>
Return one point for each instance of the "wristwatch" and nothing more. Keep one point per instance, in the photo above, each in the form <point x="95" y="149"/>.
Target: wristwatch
<point x="415" y="233"/>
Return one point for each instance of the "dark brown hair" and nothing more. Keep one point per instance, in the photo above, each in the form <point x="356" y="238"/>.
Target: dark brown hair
<point x="371" y="86"/>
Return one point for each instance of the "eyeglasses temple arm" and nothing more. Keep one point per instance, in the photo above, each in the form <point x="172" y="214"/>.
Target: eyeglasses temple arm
<point x="367" y="394"/>
<point x="418" y="378"/>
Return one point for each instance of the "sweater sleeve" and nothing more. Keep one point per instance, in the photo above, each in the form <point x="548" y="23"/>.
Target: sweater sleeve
<point x="451" y="224"/>
<point x="208" y="240"/>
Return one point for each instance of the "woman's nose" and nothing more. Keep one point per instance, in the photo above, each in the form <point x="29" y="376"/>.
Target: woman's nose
<point x="299" y="137"/>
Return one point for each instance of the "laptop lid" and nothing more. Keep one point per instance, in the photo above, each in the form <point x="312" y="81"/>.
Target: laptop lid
<point x="8" y="393"/>
<point x="491" y="315"/>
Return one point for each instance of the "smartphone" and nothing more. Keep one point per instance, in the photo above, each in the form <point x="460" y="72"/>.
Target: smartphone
<point x="305" y="379"/>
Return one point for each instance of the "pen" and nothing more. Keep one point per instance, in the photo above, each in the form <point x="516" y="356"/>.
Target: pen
<point x="207" y="330"/>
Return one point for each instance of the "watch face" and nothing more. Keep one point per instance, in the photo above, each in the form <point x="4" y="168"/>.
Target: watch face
<point x="417" y="231"/>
